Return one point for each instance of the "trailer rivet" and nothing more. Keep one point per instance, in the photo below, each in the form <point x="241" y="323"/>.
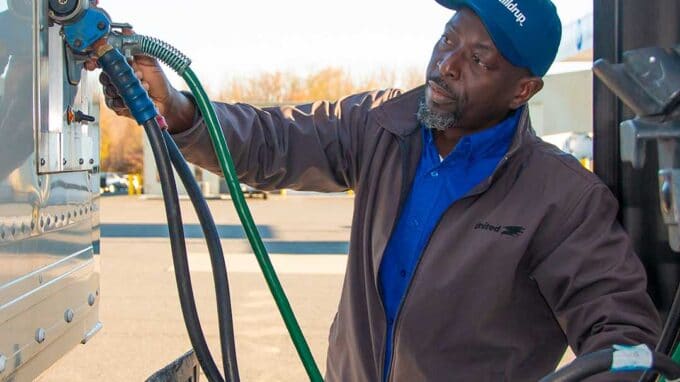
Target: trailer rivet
<point x="91" y="161"/>
<point x="81" y="161"/>
<point x="40" y="335"/>
<point x="42" y="161"/>
<point x="68" y="315"/>
<point x="90" y="299"/>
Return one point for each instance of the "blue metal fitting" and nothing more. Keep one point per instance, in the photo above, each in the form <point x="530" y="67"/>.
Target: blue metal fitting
<point x="114" y="64"/>
<point x="92" y="26"/>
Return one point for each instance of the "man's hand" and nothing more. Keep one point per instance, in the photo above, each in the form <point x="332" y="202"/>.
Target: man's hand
<point x="173" y="105"/>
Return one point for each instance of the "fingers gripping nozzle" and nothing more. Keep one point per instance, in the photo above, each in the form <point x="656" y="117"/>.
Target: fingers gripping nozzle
<point x="114" y="64"/>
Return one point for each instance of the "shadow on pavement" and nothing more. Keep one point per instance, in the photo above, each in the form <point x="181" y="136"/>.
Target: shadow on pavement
<point x="228" y="231"/>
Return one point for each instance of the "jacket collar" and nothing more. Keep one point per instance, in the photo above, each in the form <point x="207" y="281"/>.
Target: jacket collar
<point x="398" y="116"/>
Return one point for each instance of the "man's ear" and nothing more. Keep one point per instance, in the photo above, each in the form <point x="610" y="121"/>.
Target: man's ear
<point x="526" y="88"/>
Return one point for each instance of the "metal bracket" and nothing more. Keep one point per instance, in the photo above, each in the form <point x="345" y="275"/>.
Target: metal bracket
<point x="669" y="197"/>
<point x="635" y="131"/>
<point x="92" y="26"/>
<point x="73" y="65"/>
<point x="633" y="135"/>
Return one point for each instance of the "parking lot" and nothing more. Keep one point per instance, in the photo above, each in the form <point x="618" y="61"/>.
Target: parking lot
<point x="143" y="327"/>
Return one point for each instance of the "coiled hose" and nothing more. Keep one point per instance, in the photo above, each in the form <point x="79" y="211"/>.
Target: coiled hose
<point x="114" y="64"/>
<point x="180" y="63"/>
<point x="212" y="238"/>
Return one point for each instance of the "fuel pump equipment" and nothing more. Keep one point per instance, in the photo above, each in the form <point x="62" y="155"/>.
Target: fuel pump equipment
<point x="88" y="31"/>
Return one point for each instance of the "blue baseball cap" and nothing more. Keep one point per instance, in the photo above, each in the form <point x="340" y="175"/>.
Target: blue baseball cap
<point x="526" y="32"/>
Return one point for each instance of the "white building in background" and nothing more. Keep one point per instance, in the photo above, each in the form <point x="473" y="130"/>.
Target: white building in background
<point x="562" y="113"/>
<point x="577" y="40"/>
<point x="566" y="102"/>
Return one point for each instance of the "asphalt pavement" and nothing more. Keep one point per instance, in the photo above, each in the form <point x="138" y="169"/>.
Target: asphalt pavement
<point x="143" y="328"/>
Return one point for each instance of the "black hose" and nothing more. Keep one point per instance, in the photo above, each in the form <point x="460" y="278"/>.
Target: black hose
<point x="583" y="367"/>
<point x="226" y="327"/>
<point x="666" y="366"/>
<point x="115" y="65"/>
<point x="669" y="334"/>
<point x="179" y="251"/>
<point x="601" y="361"/>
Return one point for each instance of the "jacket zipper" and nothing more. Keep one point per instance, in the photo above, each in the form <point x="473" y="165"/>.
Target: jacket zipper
<point x="415" y="270"/>
<point x="404" y="146"/>
<point x="401" y="303"/>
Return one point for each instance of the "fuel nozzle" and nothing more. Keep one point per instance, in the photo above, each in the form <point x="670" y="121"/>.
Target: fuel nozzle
<point x="648" y="81"/>
<point x="86" y="26"/>
<point x="83" y="24"/>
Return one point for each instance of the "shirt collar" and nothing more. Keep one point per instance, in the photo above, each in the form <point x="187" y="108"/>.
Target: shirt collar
<point x="490" y="142"/>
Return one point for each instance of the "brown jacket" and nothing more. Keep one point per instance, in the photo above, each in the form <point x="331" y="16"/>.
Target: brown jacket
<point x="532" y="259"/>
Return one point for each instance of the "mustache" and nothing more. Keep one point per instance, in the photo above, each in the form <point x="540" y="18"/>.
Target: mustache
<point x="439" y="81"/>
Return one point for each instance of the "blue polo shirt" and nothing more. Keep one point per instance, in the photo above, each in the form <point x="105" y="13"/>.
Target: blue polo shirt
<point x="438" y="184"/>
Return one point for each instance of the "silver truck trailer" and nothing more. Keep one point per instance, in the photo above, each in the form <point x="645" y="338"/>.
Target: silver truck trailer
<point x="49" y="190"/>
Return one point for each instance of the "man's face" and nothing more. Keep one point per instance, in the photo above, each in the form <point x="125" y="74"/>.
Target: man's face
<point x="469" y="84"/>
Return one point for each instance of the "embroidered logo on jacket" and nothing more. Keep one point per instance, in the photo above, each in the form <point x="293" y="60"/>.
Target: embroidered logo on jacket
<point x="512" y="230"/>
<point x="509" y="230"/>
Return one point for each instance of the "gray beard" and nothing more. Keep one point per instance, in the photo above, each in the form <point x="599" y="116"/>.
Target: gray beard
<point x="434" y="120"/>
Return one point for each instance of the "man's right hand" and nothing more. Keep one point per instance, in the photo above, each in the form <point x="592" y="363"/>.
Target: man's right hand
<point x="177" y="109"/>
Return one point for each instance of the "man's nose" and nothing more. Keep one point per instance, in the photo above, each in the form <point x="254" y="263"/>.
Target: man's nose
<point x="449" y="64"/>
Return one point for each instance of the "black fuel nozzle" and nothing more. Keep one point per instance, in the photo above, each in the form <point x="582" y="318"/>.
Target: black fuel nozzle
<point x="647" y="81"/>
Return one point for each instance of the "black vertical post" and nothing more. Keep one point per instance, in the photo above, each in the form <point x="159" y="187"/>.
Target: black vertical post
<point x="622" y="25"/>
<point x="606" y="105"/>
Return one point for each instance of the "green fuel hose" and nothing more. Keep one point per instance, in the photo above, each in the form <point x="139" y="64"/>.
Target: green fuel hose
<point x="180" y="63"/>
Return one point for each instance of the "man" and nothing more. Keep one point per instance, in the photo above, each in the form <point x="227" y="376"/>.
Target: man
<point x="478" y="252"/>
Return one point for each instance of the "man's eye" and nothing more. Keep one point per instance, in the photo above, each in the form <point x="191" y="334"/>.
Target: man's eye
<point x="446" y="40"/>
<point x="479" y="62"/>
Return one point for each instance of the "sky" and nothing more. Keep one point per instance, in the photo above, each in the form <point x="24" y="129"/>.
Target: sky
<point x="229" y="39"/>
